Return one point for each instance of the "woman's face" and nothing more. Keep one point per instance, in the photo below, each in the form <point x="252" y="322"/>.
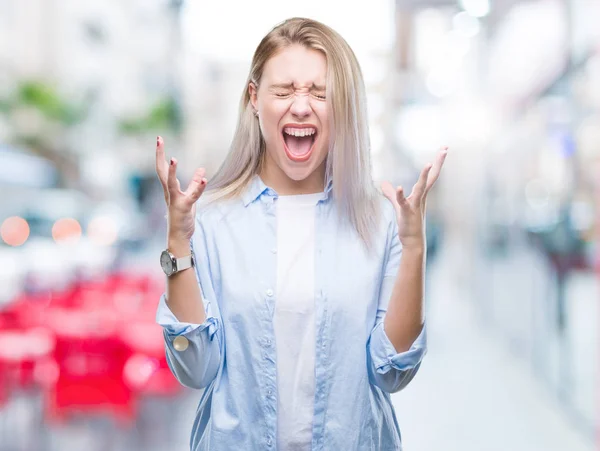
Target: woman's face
<point x="293" y="118"/>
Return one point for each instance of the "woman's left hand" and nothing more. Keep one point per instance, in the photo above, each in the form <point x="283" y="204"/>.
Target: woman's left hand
<point x="410" y="211"/>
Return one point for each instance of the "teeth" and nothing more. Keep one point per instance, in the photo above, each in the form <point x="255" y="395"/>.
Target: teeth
<point x="300" y="131"/>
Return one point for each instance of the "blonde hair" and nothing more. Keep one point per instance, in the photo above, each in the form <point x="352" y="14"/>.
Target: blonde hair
<point x="348" y="162"/>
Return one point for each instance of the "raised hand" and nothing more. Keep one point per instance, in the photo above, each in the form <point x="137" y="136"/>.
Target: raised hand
<point x="181" y="205"/>
<point x="410" y="211"/>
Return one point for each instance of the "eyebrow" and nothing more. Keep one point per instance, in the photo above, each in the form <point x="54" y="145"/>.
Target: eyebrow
<point x="291" y="85"/>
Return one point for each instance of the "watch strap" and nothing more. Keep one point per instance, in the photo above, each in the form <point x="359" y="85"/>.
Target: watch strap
<point x="182" y="263"/>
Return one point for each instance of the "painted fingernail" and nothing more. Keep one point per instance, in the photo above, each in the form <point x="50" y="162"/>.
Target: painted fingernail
<point x="172" y="162"/>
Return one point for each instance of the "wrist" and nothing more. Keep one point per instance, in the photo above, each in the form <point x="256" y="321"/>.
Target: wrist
<point x="414" y="248"/>
<point x="179" y="247"/>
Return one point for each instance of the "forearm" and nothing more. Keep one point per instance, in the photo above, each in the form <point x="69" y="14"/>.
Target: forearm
<point x="404" y="318"/>
<point x="183" y="292"/>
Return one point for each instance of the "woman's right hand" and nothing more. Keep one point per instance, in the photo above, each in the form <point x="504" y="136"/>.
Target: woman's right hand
<point x="181" y="205"/>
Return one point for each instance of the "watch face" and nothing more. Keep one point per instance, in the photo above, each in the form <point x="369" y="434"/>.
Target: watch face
<point x="166" y="263"/>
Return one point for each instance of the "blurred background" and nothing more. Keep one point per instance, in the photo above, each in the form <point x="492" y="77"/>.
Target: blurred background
<point x="513" y="87"/>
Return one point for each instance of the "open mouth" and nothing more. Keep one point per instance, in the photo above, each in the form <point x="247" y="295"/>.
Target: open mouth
<point x="299" y="142"/>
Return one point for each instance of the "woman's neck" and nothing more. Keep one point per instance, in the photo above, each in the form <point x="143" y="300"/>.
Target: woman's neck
<point x="278" y="180"/>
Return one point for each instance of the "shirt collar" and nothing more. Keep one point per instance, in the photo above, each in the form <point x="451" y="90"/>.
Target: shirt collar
<point x="256" y="188"/>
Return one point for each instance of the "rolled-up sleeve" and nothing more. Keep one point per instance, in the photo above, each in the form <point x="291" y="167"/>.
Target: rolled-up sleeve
<point x="194" y="351"/>
<point x="388" y="369"/>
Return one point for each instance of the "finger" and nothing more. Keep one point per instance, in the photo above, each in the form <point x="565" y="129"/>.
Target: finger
<point x="436" y="169"/>
<point x="402" y="201"/>
<point x="161" y="163"/>
<point x="419" y="189"/>
<point x="172" y="182"/>
<point x="390" y="192"/>
<point x="197" y="185"/>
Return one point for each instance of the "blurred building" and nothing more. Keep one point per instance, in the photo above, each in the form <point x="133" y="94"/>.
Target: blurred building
<point x="117" y="62"/>
<point x="512" y="87"/>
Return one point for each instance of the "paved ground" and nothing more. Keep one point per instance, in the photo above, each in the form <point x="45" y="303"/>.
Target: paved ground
<point x="472" y="393"/>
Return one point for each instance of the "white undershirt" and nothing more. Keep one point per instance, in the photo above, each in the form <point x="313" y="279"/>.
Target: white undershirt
<point x="294" y="320"/>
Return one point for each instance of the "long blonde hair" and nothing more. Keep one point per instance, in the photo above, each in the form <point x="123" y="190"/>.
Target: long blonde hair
<point x="348" y="161"/>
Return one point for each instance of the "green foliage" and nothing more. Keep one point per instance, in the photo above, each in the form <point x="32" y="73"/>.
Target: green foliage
<point x="48" y="102"/>
<point x="44" y="98"/>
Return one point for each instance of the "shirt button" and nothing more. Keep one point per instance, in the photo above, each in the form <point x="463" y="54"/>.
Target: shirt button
<point x="274" y="250"/>
<point x="269" y="392"/>
<point x="269" y="292"/>
<point x="180" y="343"/>
<point x="269" y="442"/>
<point x="268" y="342"/>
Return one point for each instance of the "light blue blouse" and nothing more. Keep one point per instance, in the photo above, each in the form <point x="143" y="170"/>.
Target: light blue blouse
<point x="231" y="356"/>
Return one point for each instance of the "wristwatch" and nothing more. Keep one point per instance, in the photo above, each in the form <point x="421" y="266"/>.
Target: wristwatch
<point x="171" y="265"/>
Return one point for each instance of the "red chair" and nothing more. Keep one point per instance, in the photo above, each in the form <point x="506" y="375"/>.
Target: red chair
<point x="147" y="371"/>
<point x="24" y="311"/>
<point x="103" y="349"/>
<point x="4" y="385"/>
<point x="148" y="375"/>
<point x="21" y="350"/>
<point x="90" y="359"/>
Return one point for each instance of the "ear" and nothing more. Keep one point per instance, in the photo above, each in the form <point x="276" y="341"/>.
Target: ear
<point x="253" y="91"/>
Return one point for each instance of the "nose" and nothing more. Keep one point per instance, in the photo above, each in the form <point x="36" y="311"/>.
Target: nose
<point x="300" y="106"/>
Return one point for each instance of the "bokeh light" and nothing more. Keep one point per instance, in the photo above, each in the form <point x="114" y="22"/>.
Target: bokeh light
<point x="66" y="229"/>
<point x="476" y="8"/>
<point x="466" y="24"/>
<point x="14" y="231"/>
<point x="102" y="230"/>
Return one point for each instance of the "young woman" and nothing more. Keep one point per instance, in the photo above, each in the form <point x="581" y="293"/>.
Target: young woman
<point x="302" y="307"/>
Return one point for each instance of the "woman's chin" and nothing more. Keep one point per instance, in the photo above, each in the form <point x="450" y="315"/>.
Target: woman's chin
<point x="298" y="174"/>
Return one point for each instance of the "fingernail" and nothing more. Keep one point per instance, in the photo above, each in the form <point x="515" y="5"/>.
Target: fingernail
<point x="172" y="162"/>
